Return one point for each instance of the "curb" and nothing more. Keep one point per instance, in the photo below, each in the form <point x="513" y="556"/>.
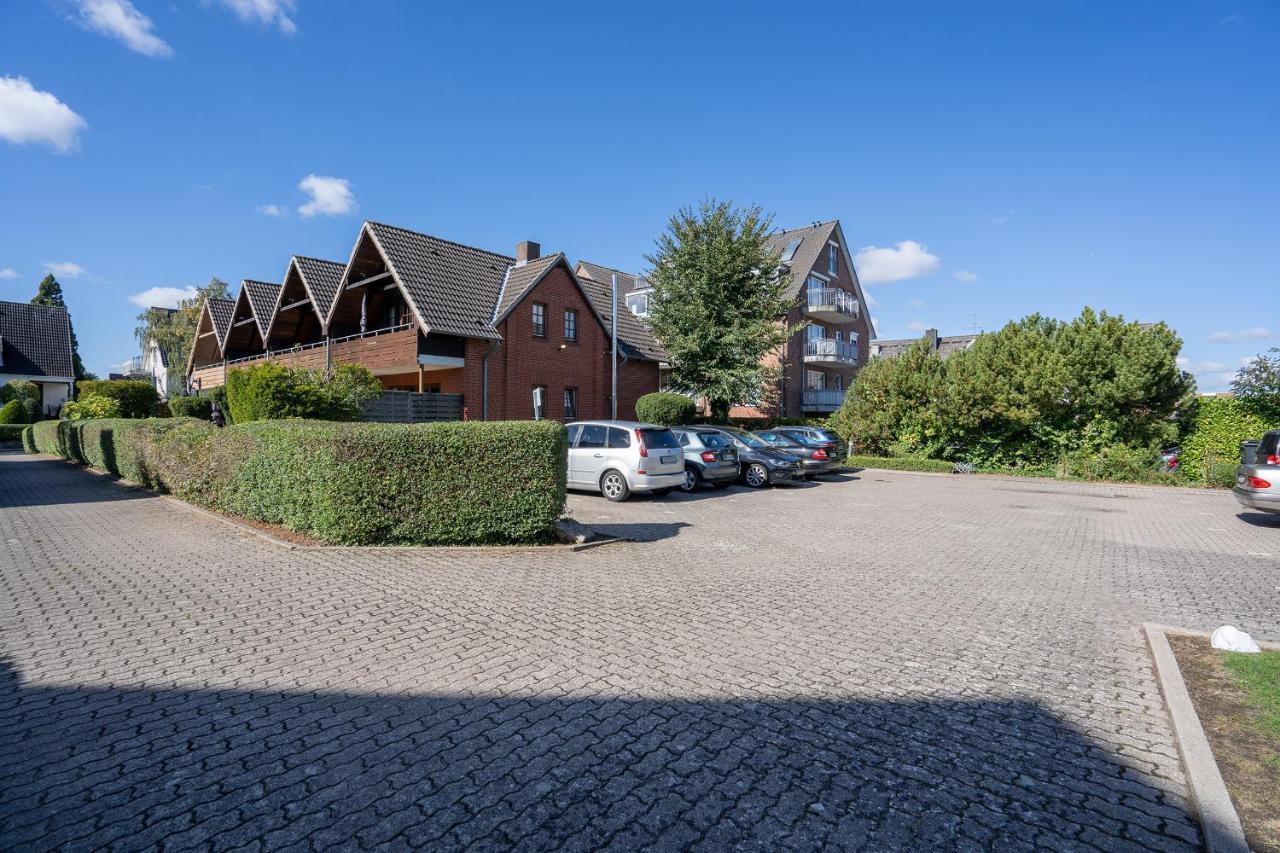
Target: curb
<point x="1219" y="822"/>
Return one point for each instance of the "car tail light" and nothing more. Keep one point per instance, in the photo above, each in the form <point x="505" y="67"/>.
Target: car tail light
<point x="708" y="456"/>
<point x="1258" y="483"/>
<point x="644" y="451"/>
<point x="820" y="454"/>
<point x="1273" y="458"/>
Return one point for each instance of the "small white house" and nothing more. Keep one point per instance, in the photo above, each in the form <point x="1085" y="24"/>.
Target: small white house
<point x="35" y="345"/>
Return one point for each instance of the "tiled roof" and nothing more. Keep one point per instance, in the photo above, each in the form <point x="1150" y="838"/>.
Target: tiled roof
<point x="634" y="338"/>
<point x="626" y="281"/>
<point x="322" y="280"/>
<point x="35" y="340"/>
<point x="262" y="301"/>
<point x="813" y="239"/>
<point x="221" y="311"/>
<point x="948" y="345"/>
<point x="452" y="287"/>
<point x="518" y="281"/>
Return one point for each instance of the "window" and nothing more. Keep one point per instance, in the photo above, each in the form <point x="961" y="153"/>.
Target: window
<point x="815" y="284"/>
<point x="539" y="402"/>
<point x="813" y="332"/>
<point x="393" y="316"/>
<point x="833" y="265"/>
<point x="570" y="325"/>
<point x="814" y="380"/>
<point x="619" y="438"/>
<point x="593" y="435"/>
<point x="573" y="434"/>
<point x="638" y="303"/>
<point x="837" y="382"/>
<point x="790" y="251"/>
<point x="571" y="402"/>
<point x="839" y="336"/>
<point x="539" y="320"/>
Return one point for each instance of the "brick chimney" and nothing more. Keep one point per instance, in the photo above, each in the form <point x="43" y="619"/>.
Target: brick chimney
<point x="527" y="250"/>
<point x="931" y="335"/>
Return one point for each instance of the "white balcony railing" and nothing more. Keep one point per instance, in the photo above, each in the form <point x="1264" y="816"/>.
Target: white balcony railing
<point x="833" y="300"/>
<point x="831" y="350"/>
<point x="827" y="399"/>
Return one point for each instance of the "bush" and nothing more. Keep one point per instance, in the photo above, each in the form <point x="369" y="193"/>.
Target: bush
<point x="344" y="483"/>
<point x="272" y="391"/>
<point x="137" y="398"/>
<point x="29" y="440"/>
<point x="200" y="406"/>
<point x="1213" y="430"/>
<point x="900" y="464"/>
<point x="12" y="432"/>
<point x="218" y="397"/>
<point x="19" y="389"/>
<point x="13" y="412"/>
<point x="665" y="409"/>
<point x="48" y="438"/>
<point x="91" y="406"/>
<point x="1115" y="463"/>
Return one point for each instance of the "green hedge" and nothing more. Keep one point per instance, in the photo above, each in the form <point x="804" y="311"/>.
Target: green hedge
<point x="900" y="464"/>
<point x="137" y="399"/>
<point x="12" y="432"/>
<point x="48" y="438"/>
<point x="1210" y="448"/>
<point x="665" y="409"/>
<point x="345" y="483"/>
<point x="29" y="440"/>
<point x="200" y="406"/>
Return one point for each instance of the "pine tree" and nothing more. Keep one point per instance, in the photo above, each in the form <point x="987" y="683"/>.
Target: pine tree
<point x="50" y="293"/>
<point x="717" y="303"/>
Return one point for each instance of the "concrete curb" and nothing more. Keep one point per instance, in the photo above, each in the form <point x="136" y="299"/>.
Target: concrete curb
<point x="1219" y="822"/>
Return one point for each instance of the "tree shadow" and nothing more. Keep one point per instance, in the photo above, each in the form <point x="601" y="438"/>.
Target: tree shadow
<point x="27" y="480"/>
<point x="99" y="766"/>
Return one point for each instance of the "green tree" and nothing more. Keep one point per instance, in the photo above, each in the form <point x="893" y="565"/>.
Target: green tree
<point x="1257" y="384"/>
<point x="718" y="302"/>
<point x="49" y="292"/>
<point x="893" y="408"/>
<point x="175" y="331"/>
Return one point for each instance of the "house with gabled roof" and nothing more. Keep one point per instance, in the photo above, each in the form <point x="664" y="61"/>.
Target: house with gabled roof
<point x="514" y="336"/>
<point x="35" y="346"/>
<point x="816" y="366"/>
<point x="207" y="366"/>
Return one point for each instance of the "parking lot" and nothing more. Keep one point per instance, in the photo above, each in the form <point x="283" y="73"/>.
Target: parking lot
<point x="882" y="660"/>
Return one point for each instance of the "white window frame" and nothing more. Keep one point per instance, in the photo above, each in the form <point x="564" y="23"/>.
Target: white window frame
<point x="833" y="258"/>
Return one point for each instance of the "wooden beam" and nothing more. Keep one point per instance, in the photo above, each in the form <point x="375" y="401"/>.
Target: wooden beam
<point x="204" y="334"/>
<point x="298" y="304"/>
<point x="243" y="322"/>
<point x="373" y="279"/>
<point x="422" y="375"/>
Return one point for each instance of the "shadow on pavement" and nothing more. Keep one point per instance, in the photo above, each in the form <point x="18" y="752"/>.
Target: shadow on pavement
<point x="59" y="483"/>
<point x="1259" y="519"/>
<point x="96" y="766"/>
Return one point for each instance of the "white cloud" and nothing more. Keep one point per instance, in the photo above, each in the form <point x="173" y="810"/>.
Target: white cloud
<point x="120" y="20"/>
<point x="329" y="196"/>
<point x="876" y="265"/>
<point x="1242" y="335"/>
<point x="267" y="13"/>
<point x="965" y="276"/>
<point x="1183" y="362"/>
<point x="29" y="115"/>
<point x="162" y="297"/>
<point x="64" y="269"/>
<point x="916" y="326"/>
<point x="1209" y="367"/>
<point x="8" y="272"/>
<point x="272" y="210"/>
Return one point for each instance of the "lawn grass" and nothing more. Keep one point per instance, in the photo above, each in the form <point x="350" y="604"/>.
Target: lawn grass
<point x="1259" y="675"/>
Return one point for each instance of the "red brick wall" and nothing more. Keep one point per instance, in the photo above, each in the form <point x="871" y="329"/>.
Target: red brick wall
<point x="635" y="379"/>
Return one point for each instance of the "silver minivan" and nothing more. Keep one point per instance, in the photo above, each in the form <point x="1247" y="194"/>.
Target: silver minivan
<point x="617" y="458"/>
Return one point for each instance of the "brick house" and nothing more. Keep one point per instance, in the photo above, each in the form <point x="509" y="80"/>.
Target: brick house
<point x="427" y="314"/>
<point x="818" y="363"/>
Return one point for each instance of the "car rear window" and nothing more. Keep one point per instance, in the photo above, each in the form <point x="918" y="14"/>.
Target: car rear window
<point x="713" y="440"/>
<point x="659" y="438"/>
<point x="619" y="438"/>
<point x="1269" y="444"/>
<point x="592" y="436"/>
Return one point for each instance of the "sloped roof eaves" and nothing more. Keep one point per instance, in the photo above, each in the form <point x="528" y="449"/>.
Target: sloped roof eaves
<point x="452" y="288"/>
<point x="635" y="340"/>
<point x="263" y="296"/>
<point x="221" y="311"/>
<point x="321" y="279"/>
<point x="813" y="239"/>
<point x="36" y="340"/>
<point x="626" y="281"/>
<point x="519" y="280"/>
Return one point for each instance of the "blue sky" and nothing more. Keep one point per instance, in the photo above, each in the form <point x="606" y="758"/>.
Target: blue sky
<point x="1004" y="158"/>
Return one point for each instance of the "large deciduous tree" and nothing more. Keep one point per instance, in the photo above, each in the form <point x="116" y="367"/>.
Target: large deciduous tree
<point x="718" y="302"/>
<point x="49" y="292"/>
<point x="174" y="331"/>
<point x="1257" y="384"/>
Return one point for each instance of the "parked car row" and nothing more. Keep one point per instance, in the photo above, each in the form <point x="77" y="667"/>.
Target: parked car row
<point x="1258" y="479"/>
<point x="621" y="458"/>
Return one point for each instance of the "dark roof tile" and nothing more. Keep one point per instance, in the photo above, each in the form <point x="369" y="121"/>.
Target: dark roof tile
<point x="263" y="296"/>
<point x="35" y="340"/>
<point x="322" y="280"/>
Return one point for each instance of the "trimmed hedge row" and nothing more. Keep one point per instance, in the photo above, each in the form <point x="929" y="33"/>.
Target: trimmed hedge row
<point x="29" y="440"/>
<point x="48" y="438"/>
<point x="345" y="483"/>
<point x="936" y="466"/>
<point x="12" y="432"/>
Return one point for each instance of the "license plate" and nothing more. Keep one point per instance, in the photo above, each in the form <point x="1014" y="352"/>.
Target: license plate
<point x="668" y="460"/>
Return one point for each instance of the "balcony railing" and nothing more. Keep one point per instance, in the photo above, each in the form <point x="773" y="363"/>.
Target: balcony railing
<point x="824" y="400"/>
<point x="833" y="300"/>
<point x="829" y="350"/>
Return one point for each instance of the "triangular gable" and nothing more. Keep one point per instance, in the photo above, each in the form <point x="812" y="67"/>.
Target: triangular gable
<point x="262" y="297"/>
<point x="215" y="317"/>
<point x="524" y="283"/>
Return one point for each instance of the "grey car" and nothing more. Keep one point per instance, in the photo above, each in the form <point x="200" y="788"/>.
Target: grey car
<point x="709" y="457"/>
<point x="617" y="458"/>
<point x="1258" y="484"/>
<point x="824" y="437"/>
<point x="762" y="465"/>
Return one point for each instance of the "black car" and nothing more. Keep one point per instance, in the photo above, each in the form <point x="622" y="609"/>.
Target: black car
<point x="824" y="438"/>
<point x="762" y="465"/>
<point x="814" y="458"/>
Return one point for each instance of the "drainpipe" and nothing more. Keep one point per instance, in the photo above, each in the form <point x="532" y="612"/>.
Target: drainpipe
<point x="484" y="380"/>
<point x="613" y="328"/>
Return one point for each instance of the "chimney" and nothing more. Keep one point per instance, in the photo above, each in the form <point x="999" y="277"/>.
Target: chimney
<point x="527" y="250"/>
<point x="931" y="335"/>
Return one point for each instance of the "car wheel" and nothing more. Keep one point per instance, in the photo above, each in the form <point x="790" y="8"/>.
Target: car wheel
<point x="756" y="476"/>
<point x="692" y="479"/>
<point x="614" y="486"/>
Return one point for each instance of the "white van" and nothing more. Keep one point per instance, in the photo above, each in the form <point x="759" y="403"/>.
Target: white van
<point x="617" y="458"/>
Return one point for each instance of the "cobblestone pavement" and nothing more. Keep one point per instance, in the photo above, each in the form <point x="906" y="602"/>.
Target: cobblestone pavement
<point x="882" y="661"/>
